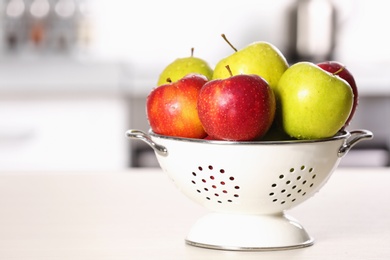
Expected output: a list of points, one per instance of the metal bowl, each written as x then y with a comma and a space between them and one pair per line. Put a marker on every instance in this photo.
249, 185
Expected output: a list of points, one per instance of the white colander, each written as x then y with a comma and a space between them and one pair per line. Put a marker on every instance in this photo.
247, 186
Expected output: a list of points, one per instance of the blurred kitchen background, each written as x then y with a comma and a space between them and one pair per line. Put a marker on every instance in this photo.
74, 74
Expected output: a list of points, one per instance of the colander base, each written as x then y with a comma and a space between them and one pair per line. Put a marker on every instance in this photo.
248, 232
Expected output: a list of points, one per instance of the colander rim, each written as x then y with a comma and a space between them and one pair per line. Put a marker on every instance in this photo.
343, 134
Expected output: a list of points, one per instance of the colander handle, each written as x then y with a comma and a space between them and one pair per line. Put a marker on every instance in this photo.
356, 136
138, 134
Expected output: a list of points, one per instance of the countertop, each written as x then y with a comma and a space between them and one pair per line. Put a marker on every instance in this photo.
140, 214
60, 75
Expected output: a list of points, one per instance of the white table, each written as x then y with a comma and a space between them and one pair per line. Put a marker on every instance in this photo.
139, 214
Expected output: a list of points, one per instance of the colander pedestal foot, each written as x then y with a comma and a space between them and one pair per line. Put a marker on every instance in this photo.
248, 232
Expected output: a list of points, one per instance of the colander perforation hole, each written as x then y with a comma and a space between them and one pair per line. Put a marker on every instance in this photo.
292, 184
215, 184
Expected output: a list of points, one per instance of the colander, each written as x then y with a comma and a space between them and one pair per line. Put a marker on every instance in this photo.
248, 186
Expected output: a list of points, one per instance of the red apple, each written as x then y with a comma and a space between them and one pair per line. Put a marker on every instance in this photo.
172, 108
339, 69
238, 108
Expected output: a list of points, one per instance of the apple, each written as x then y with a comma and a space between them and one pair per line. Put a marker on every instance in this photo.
312, 103
339, 69
238, 108
172, 108
183, 66
260, 58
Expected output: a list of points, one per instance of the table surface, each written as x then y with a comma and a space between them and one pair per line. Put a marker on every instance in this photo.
140, 214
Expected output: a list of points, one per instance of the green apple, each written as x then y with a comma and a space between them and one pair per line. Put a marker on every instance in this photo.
312, 103
260, 58
183, 66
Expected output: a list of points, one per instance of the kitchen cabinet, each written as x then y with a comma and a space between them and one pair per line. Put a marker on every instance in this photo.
63, 133
372, 113
70, 120
64, 114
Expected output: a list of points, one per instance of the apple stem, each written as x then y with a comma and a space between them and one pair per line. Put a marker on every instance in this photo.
192, 52
230, 71
339, 70
231, 45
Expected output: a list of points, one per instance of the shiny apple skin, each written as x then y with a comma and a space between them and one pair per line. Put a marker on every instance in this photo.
238, 108
172, 108
333, 67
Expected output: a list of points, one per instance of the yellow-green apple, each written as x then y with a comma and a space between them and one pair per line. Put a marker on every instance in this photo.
312, 103
180, 67
172, 108
260, 58
238, 108
339, 69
